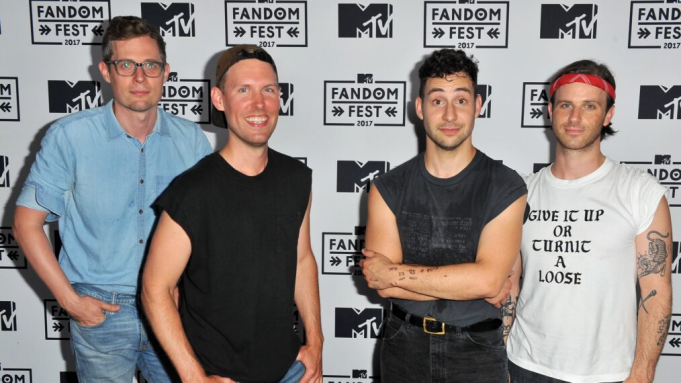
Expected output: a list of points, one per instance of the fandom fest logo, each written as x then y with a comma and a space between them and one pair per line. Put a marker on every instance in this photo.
8, 316
672, 345
659, 102
341, 252
466, 24
365, 20
364, 102
667, 172
70, 97
174, 19
15, 375
11, 256
535, 105
358, 323
69, 22
286, 99
356, 177
577, 21
187, 98
9, 99
266, 23
57, 324
655, 24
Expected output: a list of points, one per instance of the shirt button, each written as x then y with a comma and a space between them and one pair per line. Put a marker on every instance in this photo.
142, 181
141, 241
142, 150
141, 211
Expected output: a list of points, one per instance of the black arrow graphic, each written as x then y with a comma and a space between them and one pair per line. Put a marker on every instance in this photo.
98, 30
493, 33
13, 255
197, 109
337, 111
56, 326
675, 342
536, 113
293, 31
392, 111
335, 261
44, 30
643, 33
6, 107
438, 32
238, 31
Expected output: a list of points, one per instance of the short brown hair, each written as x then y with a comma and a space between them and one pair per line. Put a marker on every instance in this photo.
128, 27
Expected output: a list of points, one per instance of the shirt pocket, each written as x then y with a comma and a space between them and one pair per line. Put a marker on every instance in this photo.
162, 183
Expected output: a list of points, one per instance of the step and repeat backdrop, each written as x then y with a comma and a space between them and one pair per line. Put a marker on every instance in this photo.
348, 73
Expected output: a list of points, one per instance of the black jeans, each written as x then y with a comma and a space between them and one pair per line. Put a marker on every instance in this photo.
521, 375
408, 354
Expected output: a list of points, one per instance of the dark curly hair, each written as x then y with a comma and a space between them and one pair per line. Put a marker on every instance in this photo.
128, 27
444, 62
595, 69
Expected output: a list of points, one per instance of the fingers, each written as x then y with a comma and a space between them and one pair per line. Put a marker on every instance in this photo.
109, 307
368, 253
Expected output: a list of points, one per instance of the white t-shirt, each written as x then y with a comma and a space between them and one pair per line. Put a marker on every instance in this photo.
576, 314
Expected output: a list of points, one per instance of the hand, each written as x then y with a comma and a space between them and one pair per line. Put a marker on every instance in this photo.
498, 300
88, 311
375, 269
217, 379
311, 357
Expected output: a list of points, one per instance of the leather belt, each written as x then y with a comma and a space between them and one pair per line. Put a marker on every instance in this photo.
432, 326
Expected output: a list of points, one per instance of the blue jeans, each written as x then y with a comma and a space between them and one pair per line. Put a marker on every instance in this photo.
408, 354
294, 373
110, 351
521, 375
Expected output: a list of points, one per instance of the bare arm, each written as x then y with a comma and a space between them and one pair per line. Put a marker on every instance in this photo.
307, 300
168, 257
28, 229
383, 236
653, 248
497, 249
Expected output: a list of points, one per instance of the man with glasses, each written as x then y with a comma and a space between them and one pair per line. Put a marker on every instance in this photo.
98, 172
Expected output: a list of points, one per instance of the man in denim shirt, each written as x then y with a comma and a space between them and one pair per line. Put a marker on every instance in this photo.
98, 172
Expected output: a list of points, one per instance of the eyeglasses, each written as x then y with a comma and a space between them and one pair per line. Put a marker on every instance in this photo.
129, 67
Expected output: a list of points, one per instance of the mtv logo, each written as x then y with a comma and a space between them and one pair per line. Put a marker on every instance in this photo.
8, 316
659, 102
485, 92
172, 76
4, 172
663, 159
365, 78
358, 323
68, 377
577, 21
355, 176
359, 374
176, 19
676, 268
538, 167
69, 97
286, 99
370, 20
265, 1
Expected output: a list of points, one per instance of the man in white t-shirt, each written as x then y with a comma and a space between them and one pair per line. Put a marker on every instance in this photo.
595, 228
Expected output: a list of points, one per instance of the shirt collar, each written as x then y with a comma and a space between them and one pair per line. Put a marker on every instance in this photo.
114, 128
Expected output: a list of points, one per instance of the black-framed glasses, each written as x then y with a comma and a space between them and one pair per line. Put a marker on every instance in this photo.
129, 67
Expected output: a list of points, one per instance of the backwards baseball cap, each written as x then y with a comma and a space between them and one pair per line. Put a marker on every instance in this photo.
230, 57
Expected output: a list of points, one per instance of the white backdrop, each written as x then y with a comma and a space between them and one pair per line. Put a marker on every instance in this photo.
348, 73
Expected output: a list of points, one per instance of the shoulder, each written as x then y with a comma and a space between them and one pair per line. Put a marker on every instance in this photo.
500, 173
82, 119
398, 175
287, 162
634, 179
178, 124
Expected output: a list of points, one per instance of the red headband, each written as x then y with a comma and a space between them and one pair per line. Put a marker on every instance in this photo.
583, 78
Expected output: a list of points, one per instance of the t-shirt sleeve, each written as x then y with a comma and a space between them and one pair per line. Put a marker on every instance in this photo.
645, 199
51, 176
509, 187
387, 190
176, 200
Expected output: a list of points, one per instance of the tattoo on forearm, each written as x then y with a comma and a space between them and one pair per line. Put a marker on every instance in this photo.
643, 301
507, 312
662, 328
654, 261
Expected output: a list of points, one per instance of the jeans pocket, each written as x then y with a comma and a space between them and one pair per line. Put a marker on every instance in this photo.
100, 324
392, 328
491, 340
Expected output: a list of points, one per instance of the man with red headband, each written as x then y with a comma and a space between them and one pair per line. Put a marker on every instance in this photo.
595, 229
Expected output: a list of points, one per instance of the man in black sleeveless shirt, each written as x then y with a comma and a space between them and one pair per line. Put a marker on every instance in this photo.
236, 229
443, 232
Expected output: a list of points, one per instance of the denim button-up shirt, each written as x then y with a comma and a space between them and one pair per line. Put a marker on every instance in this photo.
101, 183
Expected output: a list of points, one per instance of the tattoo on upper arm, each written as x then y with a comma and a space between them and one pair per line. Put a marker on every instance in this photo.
662, 328
643, 301
654, 261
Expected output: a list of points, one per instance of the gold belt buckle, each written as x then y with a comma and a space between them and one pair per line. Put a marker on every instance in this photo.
425, 329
